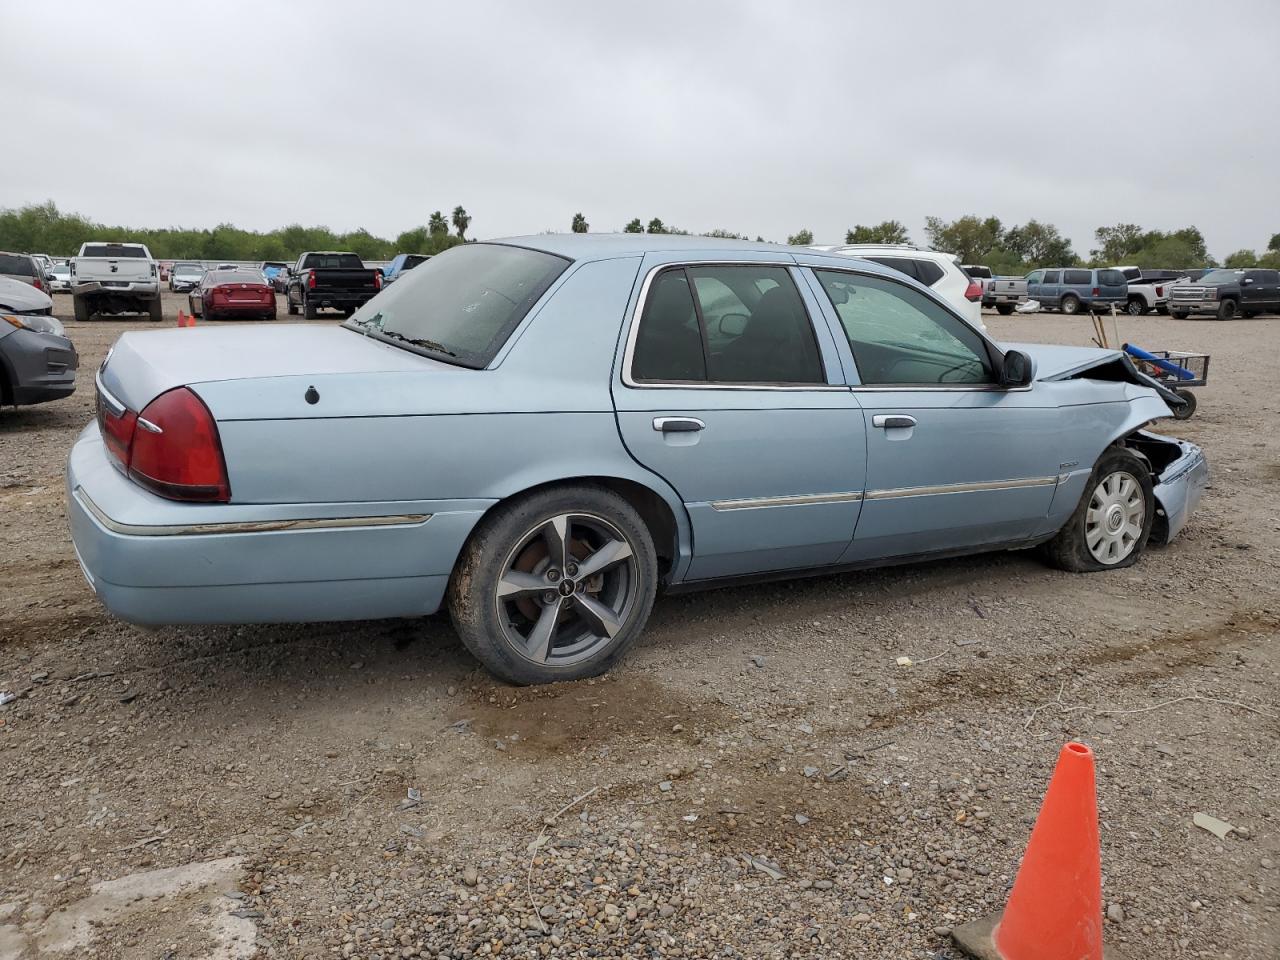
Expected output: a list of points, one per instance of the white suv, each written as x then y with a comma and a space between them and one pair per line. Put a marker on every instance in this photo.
941, 271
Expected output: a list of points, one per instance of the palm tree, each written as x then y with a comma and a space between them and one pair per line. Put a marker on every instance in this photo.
460, 222
437, 224
580, 224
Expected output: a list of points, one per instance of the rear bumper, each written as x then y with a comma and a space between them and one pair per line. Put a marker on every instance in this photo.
142, 289
39, 366
339, 298
154, 561
254, 309
1180, 486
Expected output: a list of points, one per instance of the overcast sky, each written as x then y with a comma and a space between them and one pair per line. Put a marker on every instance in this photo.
758, 117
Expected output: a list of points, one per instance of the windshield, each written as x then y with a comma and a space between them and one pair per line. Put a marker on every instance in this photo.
1222, 276
113, 250
188, 268
463, 304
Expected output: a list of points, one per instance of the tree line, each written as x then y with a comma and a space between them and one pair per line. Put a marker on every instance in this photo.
43, 228
1011, 250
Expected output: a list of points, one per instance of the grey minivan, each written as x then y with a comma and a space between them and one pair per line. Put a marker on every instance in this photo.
1072, 289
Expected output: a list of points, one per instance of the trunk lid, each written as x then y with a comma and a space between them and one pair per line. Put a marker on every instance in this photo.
144, 364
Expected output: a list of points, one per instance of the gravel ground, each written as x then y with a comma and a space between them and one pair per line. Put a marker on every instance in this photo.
759, 779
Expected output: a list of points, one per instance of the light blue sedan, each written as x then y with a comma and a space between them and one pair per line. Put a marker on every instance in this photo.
542, 433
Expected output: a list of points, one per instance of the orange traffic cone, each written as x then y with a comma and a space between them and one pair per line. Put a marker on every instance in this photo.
186, 321
1055, 909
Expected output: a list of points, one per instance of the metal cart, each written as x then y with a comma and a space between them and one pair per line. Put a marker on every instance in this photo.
1175, 370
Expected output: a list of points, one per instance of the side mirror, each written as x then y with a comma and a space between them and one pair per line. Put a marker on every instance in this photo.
1248, 279
1018, 369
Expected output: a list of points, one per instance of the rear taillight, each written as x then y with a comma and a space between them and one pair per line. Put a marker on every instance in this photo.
973, 291
377, 280
176, 451
311, 279
1097, 292
1159, 291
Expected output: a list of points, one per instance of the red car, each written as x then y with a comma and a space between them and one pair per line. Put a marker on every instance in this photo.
235, 293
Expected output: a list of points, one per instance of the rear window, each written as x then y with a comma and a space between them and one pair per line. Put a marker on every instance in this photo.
412, 261
16, 265
463, 304
1078, 276
1111, 278
977, 273
1133, 273
236, 276
113, 250
332, 261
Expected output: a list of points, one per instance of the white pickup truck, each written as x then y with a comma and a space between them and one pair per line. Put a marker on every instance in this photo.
1148, 289
115, 278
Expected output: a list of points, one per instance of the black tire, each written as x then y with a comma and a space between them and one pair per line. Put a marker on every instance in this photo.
509, 541
191, 306
1179, 314
1227, 310
1070, 305
1162, 310
81, 307
155, 310
1248, 314
1136, 308
1069, 549
1004, 309
273, 315
1185, 411
289, 306
309, 310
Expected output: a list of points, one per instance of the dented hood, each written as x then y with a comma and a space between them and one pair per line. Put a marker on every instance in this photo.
1056, 362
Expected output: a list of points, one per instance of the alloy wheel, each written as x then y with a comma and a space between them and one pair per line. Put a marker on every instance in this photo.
1115, 518
567, 588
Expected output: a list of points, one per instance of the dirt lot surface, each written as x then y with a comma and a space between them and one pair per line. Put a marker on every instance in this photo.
761, 778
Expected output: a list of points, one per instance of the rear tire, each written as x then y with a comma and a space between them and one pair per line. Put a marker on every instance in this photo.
1110, 527
542, 627
155, 310
1227, 310
1179, 314
309, 310
1004, 309
1185, 411
81, 308
1070, 305
1136, 308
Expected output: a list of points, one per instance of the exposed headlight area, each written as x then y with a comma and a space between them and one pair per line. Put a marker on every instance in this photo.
37, 323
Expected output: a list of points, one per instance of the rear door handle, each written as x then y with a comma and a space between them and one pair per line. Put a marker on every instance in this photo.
678, 424
888, 421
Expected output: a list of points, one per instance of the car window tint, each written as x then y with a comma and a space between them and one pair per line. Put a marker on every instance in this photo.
16, 265
669, 343
757, 329
929, 272
1051, 276
1076, 276
113, 251
1112, 278
899, 336
1035, 276
901, 264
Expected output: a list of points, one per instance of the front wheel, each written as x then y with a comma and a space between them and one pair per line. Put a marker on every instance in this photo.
1004, 309
1070, 305
1227, 310
1110, 526
555, 586
1179, 314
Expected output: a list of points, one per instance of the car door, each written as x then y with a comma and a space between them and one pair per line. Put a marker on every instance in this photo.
1051, 288
1260, 290
954, 460
731, 392
1035, 285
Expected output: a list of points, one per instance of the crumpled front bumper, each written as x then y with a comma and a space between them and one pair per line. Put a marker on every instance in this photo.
1180, 486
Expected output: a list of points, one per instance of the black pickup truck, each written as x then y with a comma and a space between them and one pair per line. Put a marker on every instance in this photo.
1227, 293
339, 281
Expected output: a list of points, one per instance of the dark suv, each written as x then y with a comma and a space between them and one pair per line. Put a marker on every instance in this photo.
1226, 293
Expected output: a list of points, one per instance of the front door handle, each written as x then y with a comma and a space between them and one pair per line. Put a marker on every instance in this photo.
888, 421
678, 424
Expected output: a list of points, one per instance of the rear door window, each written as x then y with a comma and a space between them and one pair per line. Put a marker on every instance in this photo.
901, 264
1077, 277
739, 324
928, 272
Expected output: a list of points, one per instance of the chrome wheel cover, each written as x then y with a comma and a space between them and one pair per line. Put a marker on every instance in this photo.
1116, 516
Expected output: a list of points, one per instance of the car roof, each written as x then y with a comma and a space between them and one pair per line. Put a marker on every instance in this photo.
607, 246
